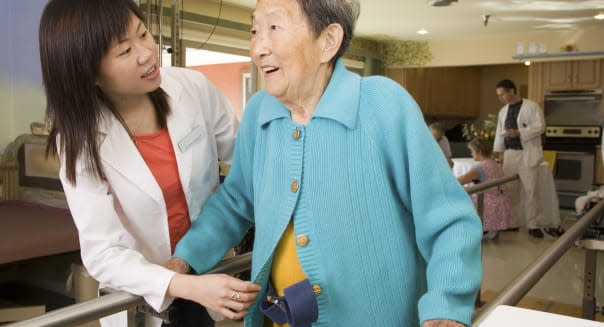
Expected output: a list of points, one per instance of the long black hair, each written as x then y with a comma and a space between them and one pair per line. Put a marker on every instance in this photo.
74, 36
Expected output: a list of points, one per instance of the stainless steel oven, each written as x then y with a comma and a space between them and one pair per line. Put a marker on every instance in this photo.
573, 108
574, 171
573, 130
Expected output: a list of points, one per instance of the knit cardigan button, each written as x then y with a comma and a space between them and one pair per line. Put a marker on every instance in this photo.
302, 240
316, 289
294, 186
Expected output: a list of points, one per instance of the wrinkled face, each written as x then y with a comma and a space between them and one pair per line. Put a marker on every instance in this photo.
284, 48
129, 68
437, 134
504, 95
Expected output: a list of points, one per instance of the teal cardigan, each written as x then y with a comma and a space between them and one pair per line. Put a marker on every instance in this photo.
393, 238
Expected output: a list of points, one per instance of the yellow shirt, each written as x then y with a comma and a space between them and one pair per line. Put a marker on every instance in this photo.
286, 268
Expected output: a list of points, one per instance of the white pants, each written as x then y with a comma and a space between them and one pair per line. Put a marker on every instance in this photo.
523, 195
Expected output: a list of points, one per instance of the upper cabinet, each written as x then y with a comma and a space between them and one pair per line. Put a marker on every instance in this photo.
579, 74
414, 81
442, 91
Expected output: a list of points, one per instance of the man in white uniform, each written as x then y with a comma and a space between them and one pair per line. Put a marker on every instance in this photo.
520, 124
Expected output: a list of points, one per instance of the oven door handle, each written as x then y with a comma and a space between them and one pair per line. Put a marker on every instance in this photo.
584, 98
573, 153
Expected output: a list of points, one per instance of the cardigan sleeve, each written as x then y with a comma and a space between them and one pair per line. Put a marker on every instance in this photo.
228, 213
448, 231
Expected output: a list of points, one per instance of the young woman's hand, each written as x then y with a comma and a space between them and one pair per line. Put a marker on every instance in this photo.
220, 293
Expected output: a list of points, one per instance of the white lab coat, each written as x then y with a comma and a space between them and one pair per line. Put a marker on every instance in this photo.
123, 224
531, 125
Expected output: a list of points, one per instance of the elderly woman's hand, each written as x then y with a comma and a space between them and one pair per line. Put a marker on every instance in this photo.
221, 293
442, 323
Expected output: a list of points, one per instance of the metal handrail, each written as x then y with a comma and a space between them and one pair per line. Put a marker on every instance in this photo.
515, 290
492, 183
119, 301
116, 302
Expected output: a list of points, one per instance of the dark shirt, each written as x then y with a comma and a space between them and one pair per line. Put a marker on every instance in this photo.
511, 122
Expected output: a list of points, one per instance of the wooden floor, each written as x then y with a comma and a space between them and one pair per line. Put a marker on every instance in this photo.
545, 306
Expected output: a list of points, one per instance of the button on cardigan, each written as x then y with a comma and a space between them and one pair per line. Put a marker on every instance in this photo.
395, 238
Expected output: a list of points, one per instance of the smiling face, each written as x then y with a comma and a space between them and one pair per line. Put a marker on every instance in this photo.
289, 55
129, 68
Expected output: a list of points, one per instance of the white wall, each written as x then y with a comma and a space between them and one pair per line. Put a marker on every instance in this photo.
22, 99
464, 52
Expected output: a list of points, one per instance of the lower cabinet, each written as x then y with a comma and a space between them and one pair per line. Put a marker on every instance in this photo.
599, 167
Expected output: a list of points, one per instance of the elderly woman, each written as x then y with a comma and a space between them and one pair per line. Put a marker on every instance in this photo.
497, 213
358, 218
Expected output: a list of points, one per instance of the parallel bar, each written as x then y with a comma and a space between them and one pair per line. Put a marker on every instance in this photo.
191, 17
176, 37
119, 301
116, 302
515, 290
589, 285
486, 185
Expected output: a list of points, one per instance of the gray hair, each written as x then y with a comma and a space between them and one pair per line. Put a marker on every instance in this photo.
437, 127
322, 13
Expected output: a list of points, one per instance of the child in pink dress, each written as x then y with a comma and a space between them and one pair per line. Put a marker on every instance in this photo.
497, 212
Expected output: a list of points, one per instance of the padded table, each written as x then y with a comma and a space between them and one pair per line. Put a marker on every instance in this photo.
30, 230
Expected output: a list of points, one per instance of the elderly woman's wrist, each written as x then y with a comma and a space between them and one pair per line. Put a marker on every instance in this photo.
178, 265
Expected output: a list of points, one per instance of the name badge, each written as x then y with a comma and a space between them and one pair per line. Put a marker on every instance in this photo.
190, 138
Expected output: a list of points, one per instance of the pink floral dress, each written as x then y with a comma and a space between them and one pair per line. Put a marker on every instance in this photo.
497, 212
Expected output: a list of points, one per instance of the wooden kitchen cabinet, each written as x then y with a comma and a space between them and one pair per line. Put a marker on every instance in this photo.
577, 74
536, 90
442, 91
455, 91
414, 81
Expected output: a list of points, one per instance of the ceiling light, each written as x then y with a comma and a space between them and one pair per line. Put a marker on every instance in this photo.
422, 31
599, 16
527, 63
440, 3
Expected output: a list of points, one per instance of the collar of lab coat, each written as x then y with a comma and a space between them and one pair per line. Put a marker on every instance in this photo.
117, 150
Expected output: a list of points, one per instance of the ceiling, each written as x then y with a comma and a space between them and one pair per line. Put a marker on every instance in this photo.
465, 19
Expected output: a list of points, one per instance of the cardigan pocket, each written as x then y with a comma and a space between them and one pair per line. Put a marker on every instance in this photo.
298, 307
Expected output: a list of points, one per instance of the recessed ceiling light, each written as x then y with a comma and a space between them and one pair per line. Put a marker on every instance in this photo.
422, 31
440, 3
527, 63
599, 16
